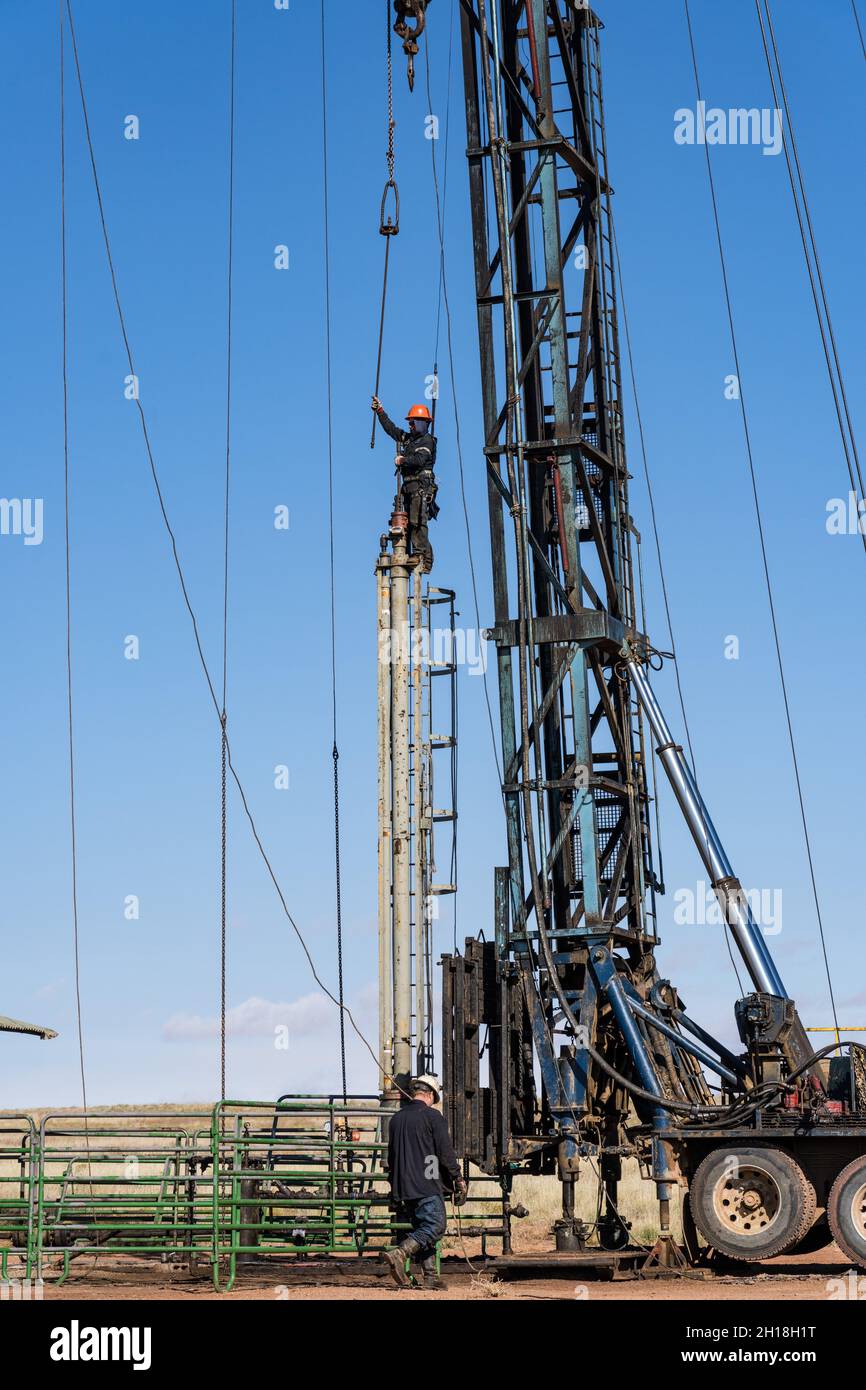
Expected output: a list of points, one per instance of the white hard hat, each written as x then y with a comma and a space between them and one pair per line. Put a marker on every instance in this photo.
431, 1082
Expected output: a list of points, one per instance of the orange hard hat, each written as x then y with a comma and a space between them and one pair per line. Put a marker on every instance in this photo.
419, 412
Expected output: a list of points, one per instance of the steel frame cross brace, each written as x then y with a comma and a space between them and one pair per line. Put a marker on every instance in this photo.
575, 793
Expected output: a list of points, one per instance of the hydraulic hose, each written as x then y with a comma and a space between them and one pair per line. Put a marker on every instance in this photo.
730, 1113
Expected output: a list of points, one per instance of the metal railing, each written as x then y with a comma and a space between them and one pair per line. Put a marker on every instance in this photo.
246, 1183
130, 1181
18, 1165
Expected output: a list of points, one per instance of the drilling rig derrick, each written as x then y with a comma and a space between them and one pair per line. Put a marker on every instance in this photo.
588, 1052
575, 904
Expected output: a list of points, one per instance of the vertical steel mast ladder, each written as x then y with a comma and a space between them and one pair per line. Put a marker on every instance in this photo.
415, 655
435, 656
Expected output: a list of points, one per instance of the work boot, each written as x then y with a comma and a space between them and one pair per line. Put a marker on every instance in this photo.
429, 1277
395, 1258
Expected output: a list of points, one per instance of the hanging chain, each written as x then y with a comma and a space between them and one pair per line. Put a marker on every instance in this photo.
388, 226
326, 224
228, 442
389, 64
336, 757
223, 934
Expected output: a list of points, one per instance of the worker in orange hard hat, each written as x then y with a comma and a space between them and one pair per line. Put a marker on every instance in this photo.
416, 460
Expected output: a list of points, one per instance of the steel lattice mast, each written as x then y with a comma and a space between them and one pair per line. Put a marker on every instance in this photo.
571, 979
553, 425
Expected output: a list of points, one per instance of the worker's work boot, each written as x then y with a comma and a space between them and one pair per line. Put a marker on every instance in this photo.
395, 1258
429, 1277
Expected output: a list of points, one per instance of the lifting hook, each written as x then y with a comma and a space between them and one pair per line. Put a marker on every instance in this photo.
387, 226
410, 9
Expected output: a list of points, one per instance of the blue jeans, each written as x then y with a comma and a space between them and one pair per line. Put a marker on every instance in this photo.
428, 1221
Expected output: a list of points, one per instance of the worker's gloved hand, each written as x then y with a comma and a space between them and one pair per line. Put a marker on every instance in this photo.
460, 1193
376, 404
398, 461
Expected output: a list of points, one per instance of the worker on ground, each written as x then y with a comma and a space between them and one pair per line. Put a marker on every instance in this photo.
416, 460
421, 1163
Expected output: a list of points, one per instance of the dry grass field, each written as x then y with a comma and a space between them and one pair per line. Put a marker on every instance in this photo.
541, 1196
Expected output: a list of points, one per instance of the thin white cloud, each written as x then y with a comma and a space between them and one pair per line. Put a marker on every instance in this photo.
255, 1018
48, 991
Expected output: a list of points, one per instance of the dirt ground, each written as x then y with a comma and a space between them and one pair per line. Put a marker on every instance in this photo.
790, 1279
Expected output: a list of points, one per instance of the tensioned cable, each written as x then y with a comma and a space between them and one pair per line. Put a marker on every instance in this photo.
760, 524
335, 754
440, 294
177, 562
513, 450
458, 437
657, 542
390, 227
859, 26
807, 236
68, 539
433, 141
223, 714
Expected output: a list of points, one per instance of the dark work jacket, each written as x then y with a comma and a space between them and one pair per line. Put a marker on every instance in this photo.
418, 450
420, 1153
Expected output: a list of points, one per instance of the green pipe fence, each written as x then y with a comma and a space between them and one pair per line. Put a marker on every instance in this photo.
246, 1183
18, 1167
132, 1181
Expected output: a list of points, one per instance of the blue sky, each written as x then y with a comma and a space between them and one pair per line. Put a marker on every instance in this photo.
147, 741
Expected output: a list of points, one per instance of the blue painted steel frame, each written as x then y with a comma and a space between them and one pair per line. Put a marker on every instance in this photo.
591, 827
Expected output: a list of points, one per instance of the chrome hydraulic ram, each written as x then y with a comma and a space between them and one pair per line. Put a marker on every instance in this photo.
732, 900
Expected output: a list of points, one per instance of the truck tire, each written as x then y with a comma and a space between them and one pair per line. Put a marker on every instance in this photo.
846, 1211
691, 1244
751, 1203
818, 1238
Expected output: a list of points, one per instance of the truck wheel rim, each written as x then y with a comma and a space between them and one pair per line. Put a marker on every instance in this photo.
858, 1211
748, 1202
